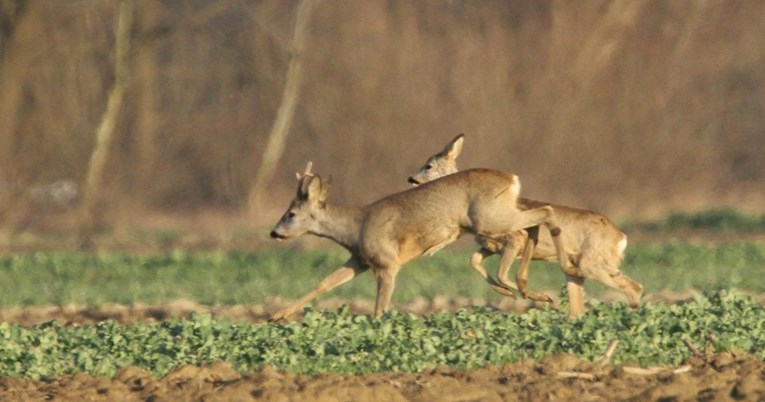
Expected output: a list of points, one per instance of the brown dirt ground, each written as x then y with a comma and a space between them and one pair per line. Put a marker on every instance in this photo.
724, 376
713, 378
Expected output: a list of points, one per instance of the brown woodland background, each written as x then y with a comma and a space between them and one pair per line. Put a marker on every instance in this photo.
633, 108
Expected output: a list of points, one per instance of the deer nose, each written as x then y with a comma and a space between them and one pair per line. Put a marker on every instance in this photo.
412, 180
274, 234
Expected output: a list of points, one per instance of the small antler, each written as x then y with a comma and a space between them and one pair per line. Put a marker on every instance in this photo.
307, 171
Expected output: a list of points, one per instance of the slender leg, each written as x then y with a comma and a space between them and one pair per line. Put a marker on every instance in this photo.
510, 249
555, 233
629, 287
386, 282
575, 287
505, 224
604, 268
504, 289
340, 276
522, 275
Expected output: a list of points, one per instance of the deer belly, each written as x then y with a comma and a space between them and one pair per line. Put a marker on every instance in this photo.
413, 245
437, 240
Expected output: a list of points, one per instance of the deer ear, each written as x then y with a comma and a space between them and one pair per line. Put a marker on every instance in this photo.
454, 148
325, 186
314, 188
303, 187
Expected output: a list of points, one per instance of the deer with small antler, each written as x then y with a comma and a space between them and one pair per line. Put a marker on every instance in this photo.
592, 243
386, 234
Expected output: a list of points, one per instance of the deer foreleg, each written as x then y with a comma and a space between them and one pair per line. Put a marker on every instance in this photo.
340, 276
575, 287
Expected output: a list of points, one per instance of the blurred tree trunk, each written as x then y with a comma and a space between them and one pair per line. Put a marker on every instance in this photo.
147, 119
13, 62
284, 115
105, 130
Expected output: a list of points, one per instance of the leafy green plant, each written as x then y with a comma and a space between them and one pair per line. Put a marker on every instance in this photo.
339, 342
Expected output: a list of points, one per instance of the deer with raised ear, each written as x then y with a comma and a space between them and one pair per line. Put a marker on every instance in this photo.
593, 244
386, 234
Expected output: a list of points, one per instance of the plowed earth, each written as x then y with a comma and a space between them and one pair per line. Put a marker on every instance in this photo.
710, 378
714, 378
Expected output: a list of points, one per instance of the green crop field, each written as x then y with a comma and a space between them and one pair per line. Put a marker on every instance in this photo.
338, 342
723, 318
252, 277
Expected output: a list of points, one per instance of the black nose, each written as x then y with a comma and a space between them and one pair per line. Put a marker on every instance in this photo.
412, 180
274, 234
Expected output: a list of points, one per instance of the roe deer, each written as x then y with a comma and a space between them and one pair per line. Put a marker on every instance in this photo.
593, 243
386, 234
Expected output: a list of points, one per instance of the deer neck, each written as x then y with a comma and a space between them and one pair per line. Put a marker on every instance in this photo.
341, 224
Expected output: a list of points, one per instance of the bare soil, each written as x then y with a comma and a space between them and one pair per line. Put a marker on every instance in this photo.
563, 377
723, 376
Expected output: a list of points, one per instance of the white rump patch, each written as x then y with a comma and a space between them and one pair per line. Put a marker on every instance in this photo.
516, 186
622, 245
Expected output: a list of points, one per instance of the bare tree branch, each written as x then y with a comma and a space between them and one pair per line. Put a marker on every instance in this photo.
284, 116
105, 130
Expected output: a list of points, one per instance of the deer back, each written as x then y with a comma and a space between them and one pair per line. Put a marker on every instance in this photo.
425, 218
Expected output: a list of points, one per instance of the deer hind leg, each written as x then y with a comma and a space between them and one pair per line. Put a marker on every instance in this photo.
510, 248
521, 277
340, 276
516, 220
386, 282
563, 257
604, 267
632, 289
505, 289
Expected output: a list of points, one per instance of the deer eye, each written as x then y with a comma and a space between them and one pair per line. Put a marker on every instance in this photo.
290, 214
428, 166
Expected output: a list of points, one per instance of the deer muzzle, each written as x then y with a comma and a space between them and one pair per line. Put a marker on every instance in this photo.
277, 236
